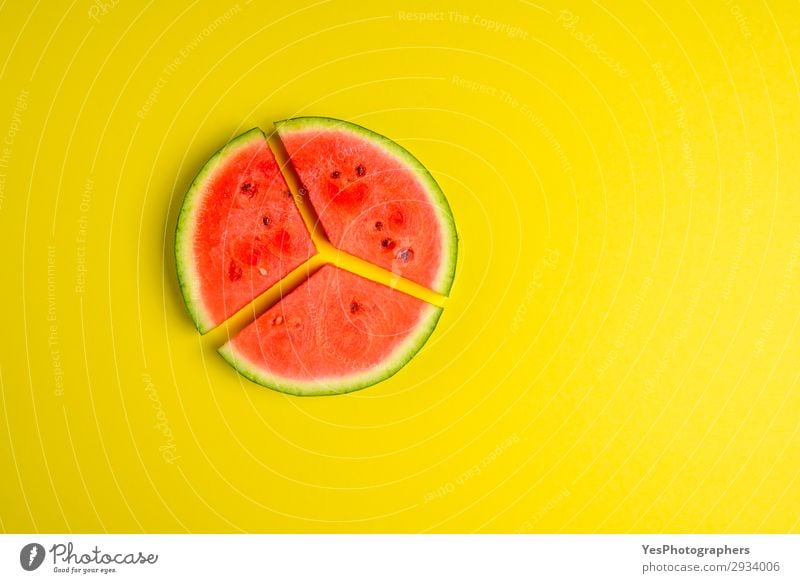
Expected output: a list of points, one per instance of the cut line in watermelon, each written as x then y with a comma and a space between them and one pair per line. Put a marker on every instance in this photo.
374, 199
239, 234
349, 322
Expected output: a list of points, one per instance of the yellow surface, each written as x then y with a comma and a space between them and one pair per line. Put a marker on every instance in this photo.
620, 349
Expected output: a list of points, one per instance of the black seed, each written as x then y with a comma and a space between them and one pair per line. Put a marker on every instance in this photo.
354, 307
378, 225
387, 244
360, 170
335, 174
265, 220
248, 189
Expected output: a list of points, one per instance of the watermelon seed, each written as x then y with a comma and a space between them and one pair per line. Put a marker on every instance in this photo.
405, 255
335, 174
302, 191
265, 220
262, 271
287, 193
354, 307
248, 189
387, 244
234, 271
360, 170
277, 320
378, 225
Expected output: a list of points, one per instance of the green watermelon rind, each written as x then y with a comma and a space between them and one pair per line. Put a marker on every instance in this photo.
444, 213
347, 384
187, 220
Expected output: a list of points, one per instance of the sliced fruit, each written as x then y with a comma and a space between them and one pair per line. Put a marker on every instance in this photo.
335, 333
374, 200
239, 231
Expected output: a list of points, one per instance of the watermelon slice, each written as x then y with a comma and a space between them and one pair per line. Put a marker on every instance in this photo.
337, 332
374, 199
239, 231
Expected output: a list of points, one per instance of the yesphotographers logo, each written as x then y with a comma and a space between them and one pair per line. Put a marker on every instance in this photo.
31, 556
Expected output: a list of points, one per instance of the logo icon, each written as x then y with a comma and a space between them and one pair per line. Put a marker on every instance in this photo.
31, 556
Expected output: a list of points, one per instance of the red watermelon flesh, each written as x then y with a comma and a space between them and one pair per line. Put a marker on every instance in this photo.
239, 231
337, 332
374, 200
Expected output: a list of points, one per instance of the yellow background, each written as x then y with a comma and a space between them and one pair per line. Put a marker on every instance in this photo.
619, 353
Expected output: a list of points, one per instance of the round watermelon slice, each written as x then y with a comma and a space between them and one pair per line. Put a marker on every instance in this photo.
239, 231
335, 333
374, 199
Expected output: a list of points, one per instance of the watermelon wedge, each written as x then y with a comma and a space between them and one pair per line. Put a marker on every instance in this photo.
336, 333
239, 231
374, 199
